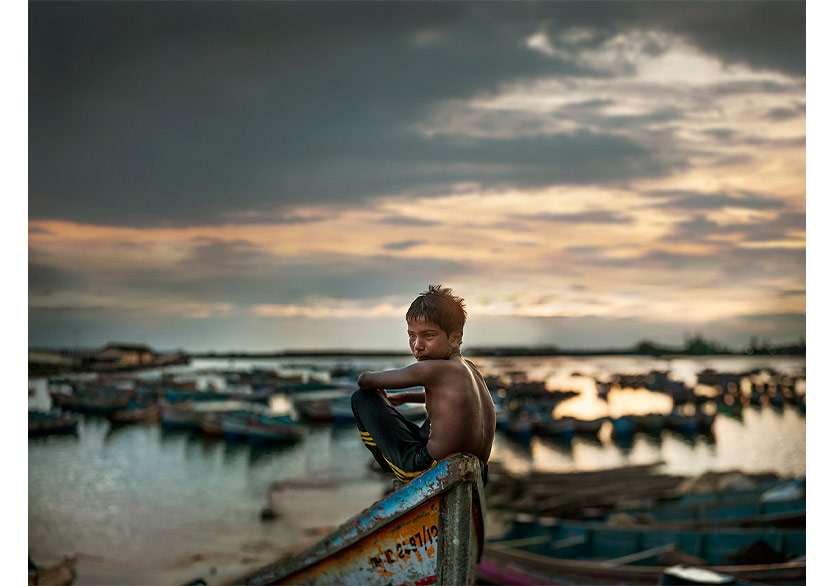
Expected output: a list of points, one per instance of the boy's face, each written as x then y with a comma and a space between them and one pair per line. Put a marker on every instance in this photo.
429, 342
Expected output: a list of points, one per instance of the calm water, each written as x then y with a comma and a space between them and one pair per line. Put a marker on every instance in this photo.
141, 505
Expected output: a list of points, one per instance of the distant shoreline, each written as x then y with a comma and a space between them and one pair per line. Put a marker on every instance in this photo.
482, 352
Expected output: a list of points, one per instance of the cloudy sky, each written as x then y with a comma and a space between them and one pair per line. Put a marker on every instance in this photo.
268, 176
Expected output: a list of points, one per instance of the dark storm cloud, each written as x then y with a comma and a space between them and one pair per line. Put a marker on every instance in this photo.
182, 113
763, 35
221, 272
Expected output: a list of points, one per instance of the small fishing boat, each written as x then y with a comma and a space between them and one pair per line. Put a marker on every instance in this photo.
520, 426
430, 531
274, 428
683, 424
651, 423
560, 429
52, 423
180, 414
623, 426
134, 413
587, 426
191, 414
556, 551
235, 425
743, 511
325, 406
210, 422
603, 389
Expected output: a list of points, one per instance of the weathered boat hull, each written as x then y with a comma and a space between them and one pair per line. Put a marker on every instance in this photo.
555, 551
134, 415
514, 566
430, 531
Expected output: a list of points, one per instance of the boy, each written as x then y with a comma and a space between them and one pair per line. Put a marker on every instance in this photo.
460, 408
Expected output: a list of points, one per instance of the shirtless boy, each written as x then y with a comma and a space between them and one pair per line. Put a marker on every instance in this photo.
461, 411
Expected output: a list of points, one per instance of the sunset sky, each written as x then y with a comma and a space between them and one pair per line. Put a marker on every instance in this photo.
272, 176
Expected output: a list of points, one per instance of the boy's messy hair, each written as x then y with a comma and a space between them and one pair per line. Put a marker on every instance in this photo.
441, 307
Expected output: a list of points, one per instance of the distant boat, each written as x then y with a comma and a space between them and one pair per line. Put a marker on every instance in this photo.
684, 424
623, 426
52, 423
651, 423
520, 426
587, 426
603, 389
93, 399
190, 414
560, 429
332, 405
234, 425
279, 428
134, 414
179, 415
429, 532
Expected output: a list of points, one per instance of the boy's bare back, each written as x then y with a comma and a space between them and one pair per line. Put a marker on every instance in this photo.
461, 410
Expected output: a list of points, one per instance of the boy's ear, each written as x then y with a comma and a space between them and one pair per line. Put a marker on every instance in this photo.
455, 338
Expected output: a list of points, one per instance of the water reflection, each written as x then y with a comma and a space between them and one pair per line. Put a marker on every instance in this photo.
109, 489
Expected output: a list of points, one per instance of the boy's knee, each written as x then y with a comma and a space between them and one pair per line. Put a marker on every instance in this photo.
361, 398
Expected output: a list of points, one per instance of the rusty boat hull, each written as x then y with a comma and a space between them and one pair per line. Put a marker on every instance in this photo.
430, 531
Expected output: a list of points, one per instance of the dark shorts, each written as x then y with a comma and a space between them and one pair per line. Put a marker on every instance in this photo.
397, 444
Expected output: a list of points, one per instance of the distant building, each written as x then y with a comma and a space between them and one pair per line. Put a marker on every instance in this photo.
126, 354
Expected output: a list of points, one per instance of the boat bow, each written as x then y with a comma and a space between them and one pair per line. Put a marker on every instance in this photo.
430, 531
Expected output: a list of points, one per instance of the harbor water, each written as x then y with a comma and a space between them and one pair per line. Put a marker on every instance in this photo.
140, 504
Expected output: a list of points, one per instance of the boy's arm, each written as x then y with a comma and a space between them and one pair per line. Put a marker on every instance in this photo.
419, 374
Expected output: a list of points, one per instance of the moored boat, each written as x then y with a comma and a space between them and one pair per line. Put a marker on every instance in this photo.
623, 426
559, 429
52, 423
179, 415
274, 428
430, 531
134, 414
332, 405
651, 423
588, 426
549, 551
